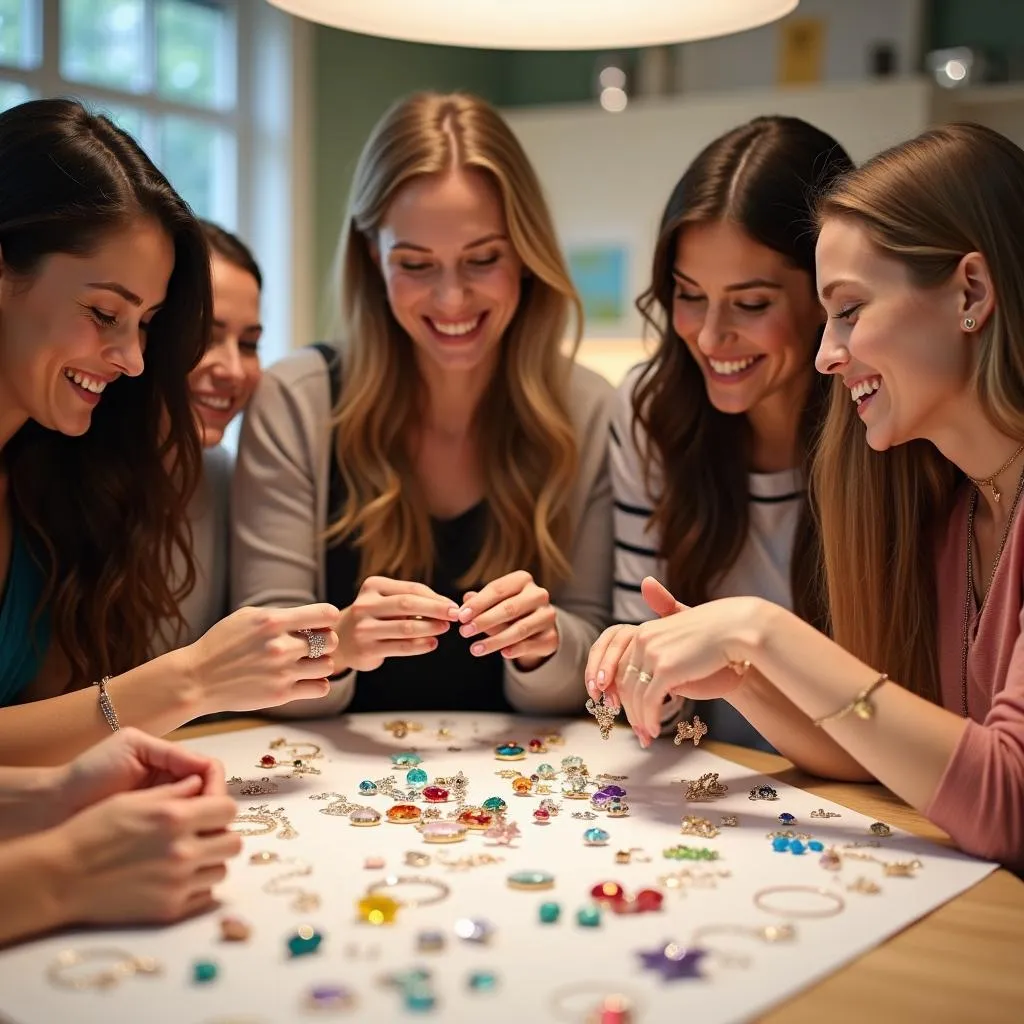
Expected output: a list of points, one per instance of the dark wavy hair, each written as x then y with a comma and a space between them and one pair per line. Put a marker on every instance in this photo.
231, 248
764, 177
105, 513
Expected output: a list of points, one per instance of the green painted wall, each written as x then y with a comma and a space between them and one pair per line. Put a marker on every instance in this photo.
996, 24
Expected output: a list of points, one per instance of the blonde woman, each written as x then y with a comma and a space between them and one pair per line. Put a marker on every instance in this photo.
458, 507
918, 485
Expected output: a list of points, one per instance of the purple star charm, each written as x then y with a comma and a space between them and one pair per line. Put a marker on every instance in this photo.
673, 961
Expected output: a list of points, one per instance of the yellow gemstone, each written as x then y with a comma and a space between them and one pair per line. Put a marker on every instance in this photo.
377, 909
522, 785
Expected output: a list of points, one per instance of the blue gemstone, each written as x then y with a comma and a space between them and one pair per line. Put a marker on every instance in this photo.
595, 837
304, 941
419, 997
416, 777
510, 750
816, 846
483, 981
787, 819
368, 787
780, 844
796, 846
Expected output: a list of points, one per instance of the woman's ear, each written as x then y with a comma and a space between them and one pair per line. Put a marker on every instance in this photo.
977, 292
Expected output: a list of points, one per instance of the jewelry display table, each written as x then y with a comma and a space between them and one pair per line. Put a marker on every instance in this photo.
732, 959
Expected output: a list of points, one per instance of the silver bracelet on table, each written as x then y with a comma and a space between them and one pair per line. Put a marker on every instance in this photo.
107, 705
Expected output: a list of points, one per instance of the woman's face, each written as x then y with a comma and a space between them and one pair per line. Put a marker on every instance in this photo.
749, 318
223, 382
452, 277
898, 347
77, 324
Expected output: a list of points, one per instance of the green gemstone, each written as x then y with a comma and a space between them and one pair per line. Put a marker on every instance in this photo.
203, 971
494, 804
531, 880
588, 917
483, 981
549, 913
305, 940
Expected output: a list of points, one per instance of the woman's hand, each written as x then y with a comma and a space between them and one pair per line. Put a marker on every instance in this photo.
516, 617
612, 644
150, 855
698, 653
392, 619
259, 658
129, 760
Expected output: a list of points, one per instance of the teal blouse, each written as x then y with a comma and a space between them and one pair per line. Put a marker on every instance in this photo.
23, 642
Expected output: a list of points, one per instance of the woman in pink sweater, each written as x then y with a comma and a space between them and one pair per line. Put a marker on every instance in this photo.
918, 482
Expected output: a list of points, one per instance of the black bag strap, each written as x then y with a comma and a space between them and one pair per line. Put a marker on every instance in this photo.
333, 361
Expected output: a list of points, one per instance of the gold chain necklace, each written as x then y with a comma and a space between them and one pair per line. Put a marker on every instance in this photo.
990, 481
970, 578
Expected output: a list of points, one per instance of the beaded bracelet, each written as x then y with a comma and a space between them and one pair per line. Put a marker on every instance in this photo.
107, 705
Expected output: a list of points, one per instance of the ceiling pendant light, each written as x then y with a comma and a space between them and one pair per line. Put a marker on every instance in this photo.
542, 24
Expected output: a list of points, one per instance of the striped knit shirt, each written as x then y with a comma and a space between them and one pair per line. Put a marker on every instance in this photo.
761, 570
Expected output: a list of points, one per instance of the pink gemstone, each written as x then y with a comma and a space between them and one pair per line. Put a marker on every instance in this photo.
541, 816
435, 795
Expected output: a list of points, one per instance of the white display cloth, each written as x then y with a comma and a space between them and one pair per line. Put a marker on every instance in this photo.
259, 982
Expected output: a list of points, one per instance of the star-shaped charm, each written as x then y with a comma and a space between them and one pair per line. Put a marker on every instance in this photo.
673, 961
503, 832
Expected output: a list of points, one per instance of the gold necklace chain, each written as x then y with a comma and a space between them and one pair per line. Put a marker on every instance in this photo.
970, 579
990, 481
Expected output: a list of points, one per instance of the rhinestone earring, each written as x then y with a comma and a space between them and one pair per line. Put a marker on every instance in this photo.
970, 323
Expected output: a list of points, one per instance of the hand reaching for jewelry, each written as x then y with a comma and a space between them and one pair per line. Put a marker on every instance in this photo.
259, 658
516, 618
131, 760
392, 619
150, 855
613, 643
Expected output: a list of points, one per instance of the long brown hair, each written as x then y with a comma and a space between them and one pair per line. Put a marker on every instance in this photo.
927, 203
529, 453
105, 513
764, 177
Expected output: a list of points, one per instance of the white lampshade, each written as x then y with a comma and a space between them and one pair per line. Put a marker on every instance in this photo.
542, 24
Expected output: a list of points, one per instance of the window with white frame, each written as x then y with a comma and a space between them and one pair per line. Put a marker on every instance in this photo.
166, 71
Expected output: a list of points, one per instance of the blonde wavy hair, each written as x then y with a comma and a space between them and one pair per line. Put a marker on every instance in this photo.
528, 449
927, 203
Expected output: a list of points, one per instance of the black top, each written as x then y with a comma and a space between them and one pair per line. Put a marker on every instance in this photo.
449, 678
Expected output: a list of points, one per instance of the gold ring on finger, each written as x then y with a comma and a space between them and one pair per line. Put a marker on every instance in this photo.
643, 678
631, 668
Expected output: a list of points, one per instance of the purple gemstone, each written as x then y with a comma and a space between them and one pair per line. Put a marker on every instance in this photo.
612, 791
331, 995
599, 799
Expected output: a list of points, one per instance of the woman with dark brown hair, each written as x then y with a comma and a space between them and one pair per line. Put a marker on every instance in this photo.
710, 439
100, 263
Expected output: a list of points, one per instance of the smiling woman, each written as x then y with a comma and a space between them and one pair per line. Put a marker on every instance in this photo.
459, 507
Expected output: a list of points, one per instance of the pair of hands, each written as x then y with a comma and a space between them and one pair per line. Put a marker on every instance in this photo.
256, 658
145, 832
685, 652
395, 618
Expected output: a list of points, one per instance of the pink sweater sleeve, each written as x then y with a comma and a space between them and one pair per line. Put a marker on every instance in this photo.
980, 798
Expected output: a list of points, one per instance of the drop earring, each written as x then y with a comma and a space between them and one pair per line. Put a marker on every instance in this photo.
969, 323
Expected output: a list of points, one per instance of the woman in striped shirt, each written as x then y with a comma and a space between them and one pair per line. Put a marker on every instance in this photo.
710, 439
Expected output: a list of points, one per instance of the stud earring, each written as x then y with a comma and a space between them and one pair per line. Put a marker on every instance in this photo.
970, 323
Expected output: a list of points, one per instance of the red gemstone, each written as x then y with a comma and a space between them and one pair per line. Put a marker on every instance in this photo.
649, 899
542, 815
268, 760
537, 746
435, 795
608, 892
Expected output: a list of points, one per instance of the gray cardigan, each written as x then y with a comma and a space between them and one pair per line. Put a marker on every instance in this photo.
279, 517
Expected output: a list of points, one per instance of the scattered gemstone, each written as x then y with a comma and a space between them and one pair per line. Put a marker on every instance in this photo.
550, 806
537, 747
509, 752
617, 808
204, 971
364, 816
649, 900
542, 816
306, 940
522, 786
588, 916
816, 845
234, 929
787, 819
435, 795
377, 909
430, 942
612, 791
780, 844
406, 759
416, 777
368, 788
879, 828
607, 892
674, 962
443, 832
419, 998
374, 863
546, 772
475, 818
474, 929
571, 762
330, 997
595, 837
502, 832
549, 913
495, 805
482, 981
531, 880
795, 846
404, 814
268, 761
831, 861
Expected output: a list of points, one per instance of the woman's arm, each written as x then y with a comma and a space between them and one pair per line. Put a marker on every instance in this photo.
29, 800
33, 877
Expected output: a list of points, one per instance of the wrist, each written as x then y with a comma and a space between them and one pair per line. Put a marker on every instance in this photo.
182, 676
37, 802
60, 883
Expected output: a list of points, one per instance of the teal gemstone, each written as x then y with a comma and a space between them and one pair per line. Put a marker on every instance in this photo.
531, 880
549, 913
368, 788
419, 997
406, 760
416, 777
509, 750
203, 971
483, 981
495, 805
306, 940
546, 771
588, 917
595, 837
572, 761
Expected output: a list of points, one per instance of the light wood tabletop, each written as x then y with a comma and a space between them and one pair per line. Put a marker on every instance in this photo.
962, 963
